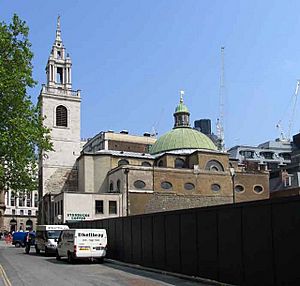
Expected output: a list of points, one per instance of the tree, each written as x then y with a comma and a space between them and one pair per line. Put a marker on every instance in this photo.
22, 134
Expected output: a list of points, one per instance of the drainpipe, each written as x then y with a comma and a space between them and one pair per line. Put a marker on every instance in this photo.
126, 171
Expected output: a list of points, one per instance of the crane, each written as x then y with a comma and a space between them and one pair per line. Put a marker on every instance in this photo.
219, 124
287, 136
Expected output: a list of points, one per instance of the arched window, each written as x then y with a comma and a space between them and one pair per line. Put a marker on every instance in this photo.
179, 163
118, 186
146, 164
61, 116
111, 186
123, 162
214, 165
29, 224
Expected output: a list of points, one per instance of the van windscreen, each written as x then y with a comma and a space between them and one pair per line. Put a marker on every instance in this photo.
53, 233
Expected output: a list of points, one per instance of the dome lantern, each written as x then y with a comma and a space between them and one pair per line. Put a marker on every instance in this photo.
181, 114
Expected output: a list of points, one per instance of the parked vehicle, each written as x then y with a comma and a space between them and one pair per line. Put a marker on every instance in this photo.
47, 236
18, 238
82, 244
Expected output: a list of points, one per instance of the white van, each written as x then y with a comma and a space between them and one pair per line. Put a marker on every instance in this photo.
47, 236
82, 244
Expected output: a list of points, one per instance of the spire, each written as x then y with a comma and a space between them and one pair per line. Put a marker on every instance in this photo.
182, 114
58, 32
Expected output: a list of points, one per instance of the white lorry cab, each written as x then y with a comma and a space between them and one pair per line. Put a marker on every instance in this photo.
47, 237
82, 244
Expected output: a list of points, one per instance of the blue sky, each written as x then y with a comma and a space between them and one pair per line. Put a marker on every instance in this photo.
131, 58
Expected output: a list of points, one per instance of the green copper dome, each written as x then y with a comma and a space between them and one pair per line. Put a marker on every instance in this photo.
182, 138
181, 107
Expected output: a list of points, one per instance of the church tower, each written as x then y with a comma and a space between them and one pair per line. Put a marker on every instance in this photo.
60, 106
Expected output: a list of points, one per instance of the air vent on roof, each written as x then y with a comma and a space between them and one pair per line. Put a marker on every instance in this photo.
124, 132
110, 131
147, 134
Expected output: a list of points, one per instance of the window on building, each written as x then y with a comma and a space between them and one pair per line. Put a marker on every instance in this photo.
239, 188
59, 75
189, 186
248, 154
21, 201
146, 164
59, 54
118, 186
61, 116
285, 156
13, 212
258, 189
112, 207
160, 163
29, 212
61, 207
35, 200
267, 155
21, 212
214, 165
111, 186
215, 187
179, 163
123, 162
99, 207
139, 184
28, 200
12, 200
166, 185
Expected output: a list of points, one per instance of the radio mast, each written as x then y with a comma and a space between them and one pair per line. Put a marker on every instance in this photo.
220, 120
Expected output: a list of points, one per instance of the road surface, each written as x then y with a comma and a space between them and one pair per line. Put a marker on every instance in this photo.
18, 268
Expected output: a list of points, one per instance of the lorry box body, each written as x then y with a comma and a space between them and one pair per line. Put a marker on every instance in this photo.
47, 236
82, 244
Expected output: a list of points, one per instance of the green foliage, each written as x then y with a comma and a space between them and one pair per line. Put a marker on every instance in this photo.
21, 132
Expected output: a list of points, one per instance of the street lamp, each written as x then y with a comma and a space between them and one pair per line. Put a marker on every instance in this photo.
232, 174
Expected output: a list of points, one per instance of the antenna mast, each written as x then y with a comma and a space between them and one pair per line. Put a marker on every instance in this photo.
220, 120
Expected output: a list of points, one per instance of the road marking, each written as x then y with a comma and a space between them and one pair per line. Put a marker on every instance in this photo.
4, 276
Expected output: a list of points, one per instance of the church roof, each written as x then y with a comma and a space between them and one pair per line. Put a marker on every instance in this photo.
182, 138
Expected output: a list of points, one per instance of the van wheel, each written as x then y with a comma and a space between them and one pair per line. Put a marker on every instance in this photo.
37, 251
70, 257
57, 256
17, 244
100, 260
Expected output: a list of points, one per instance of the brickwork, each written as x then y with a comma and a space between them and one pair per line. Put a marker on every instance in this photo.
127, 146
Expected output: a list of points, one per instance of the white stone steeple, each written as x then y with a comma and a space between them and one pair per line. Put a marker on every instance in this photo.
59, 64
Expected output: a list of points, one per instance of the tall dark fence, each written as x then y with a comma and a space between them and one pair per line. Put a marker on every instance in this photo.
256, 243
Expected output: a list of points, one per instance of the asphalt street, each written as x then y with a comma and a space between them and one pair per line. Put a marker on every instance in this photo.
31, 269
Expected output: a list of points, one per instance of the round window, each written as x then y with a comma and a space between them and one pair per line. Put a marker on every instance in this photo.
189, 186
139, 184
215, 187
166, 185
258, 189
239, 188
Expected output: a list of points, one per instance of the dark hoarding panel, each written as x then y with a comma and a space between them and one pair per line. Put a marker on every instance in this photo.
207, 244
188, 243
147, 240
257, 245
230, 246
172, 242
